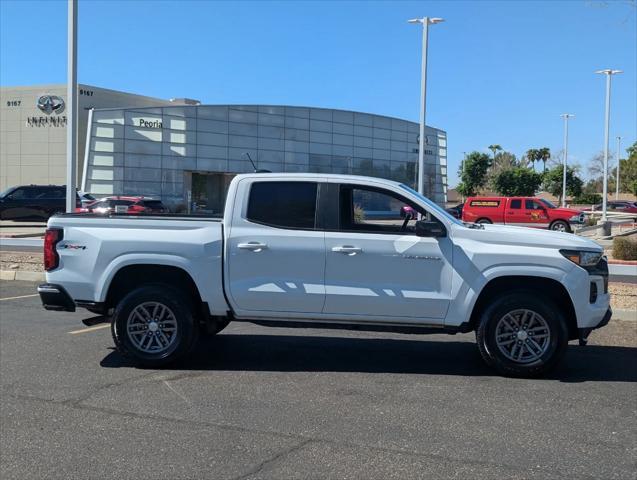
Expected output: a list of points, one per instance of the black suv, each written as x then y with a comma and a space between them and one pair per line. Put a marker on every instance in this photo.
33, 202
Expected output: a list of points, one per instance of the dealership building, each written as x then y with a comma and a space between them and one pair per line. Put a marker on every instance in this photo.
186, 153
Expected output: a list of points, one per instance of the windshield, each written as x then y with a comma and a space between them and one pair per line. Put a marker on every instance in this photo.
440, 212
547, 203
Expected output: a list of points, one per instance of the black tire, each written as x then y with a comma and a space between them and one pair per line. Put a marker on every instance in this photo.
182, 340
509, 302
560, 226
483, 221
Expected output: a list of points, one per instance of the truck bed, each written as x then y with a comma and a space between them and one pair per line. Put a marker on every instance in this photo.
96, 247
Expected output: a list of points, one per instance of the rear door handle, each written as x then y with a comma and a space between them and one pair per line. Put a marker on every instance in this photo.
347, 250
254, 246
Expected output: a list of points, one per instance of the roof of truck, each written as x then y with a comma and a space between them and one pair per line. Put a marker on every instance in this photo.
319, 176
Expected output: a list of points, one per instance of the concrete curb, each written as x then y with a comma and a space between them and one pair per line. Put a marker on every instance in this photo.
628, 315
22, 276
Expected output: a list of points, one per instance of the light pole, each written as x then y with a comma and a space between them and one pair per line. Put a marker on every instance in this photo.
608, 72
619, 142
425, 21
565, 116
71, 107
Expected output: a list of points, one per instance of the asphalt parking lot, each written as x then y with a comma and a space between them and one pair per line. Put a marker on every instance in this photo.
258, 402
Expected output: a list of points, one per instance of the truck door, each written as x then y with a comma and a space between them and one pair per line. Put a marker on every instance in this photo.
513, 212
536, 214
377, 266
275, 256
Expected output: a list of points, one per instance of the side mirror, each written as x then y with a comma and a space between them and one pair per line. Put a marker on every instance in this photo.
430, 229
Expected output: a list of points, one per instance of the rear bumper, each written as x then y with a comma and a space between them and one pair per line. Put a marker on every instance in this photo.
54, 297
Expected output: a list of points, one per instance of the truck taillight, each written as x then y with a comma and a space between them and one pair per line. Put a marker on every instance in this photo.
52, 237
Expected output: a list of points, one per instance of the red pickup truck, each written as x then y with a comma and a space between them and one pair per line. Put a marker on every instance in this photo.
520, 211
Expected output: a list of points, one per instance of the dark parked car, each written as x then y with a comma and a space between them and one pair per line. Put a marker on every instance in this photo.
124, 204
26, 202
456, 212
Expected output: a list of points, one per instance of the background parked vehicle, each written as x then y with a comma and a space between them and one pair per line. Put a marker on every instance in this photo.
33, 202
456, 212
619, 206
86, 198
520, 211
124, 204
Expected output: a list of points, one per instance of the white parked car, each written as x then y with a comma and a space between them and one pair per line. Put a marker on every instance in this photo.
334, 251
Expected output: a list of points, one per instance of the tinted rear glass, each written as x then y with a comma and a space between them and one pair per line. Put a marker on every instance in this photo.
517, 203
283, 204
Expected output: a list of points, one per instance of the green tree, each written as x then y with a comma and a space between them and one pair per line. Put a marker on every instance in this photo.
544, 154
494, 148
532, 155
628, 170
517, 181
553, 179
474, 175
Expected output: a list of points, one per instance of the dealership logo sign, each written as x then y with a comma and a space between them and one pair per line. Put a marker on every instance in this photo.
51, 104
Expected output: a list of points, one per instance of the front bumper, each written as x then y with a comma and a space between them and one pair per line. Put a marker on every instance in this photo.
54, 297
585, 332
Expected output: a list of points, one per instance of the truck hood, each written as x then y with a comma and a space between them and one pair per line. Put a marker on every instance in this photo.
532, 237
564, 212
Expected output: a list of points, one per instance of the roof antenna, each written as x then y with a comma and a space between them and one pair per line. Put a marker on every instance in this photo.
256, 170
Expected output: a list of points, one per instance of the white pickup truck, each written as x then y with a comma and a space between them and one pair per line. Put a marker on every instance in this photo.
333, 251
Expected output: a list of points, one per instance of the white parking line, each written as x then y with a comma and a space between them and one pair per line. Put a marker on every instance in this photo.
90, 329
21, 296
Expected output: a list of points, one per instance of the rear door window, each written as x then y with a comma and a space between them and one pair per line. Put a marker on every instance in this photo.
283, 204
516, 203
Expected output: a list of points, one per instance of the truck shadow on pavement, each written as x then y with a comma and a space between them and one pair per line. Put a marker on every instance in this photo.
299, 353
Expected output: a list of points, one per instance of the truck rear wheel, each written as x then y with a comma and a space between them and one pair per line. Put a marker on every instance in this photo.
154, 326
483, 221
522, 336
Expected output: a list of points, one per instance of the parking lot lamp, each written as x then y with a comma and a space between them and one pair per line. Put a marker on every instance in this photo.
619, 142
608, 72
425, 21
565, 116
71, 107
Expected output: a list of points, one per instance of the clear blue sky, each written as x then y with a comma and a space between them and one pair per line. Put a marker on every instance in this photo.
499, 72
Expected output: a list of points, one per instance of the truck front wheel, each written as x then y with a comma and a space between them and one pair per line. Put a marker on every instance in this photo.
522, 336
560, 226
154, 325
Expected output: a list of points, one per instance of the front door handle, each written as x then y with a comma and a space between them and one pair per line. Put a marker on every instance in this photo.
347, 250
254, 246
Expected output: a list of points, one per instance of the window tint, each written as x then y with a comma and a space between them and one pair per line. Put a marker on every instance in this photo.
114, 203
20, 194
532, 205
377, 211
517, 203
283, 204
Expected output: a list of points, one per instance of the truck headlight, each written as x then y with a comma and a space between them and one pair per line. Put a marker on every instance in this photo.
576, 219
582, 257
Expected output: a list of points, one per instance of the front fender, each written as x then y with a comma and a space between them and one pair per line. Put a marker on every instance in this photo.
468, 292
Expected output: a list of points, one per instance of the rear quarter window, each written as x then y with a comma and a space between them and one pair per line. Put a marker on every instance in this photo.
283, 204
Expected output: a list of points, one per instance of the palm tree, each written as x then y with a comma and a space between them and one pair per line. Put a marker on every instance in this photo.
544, 154
532, 156
494, 148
